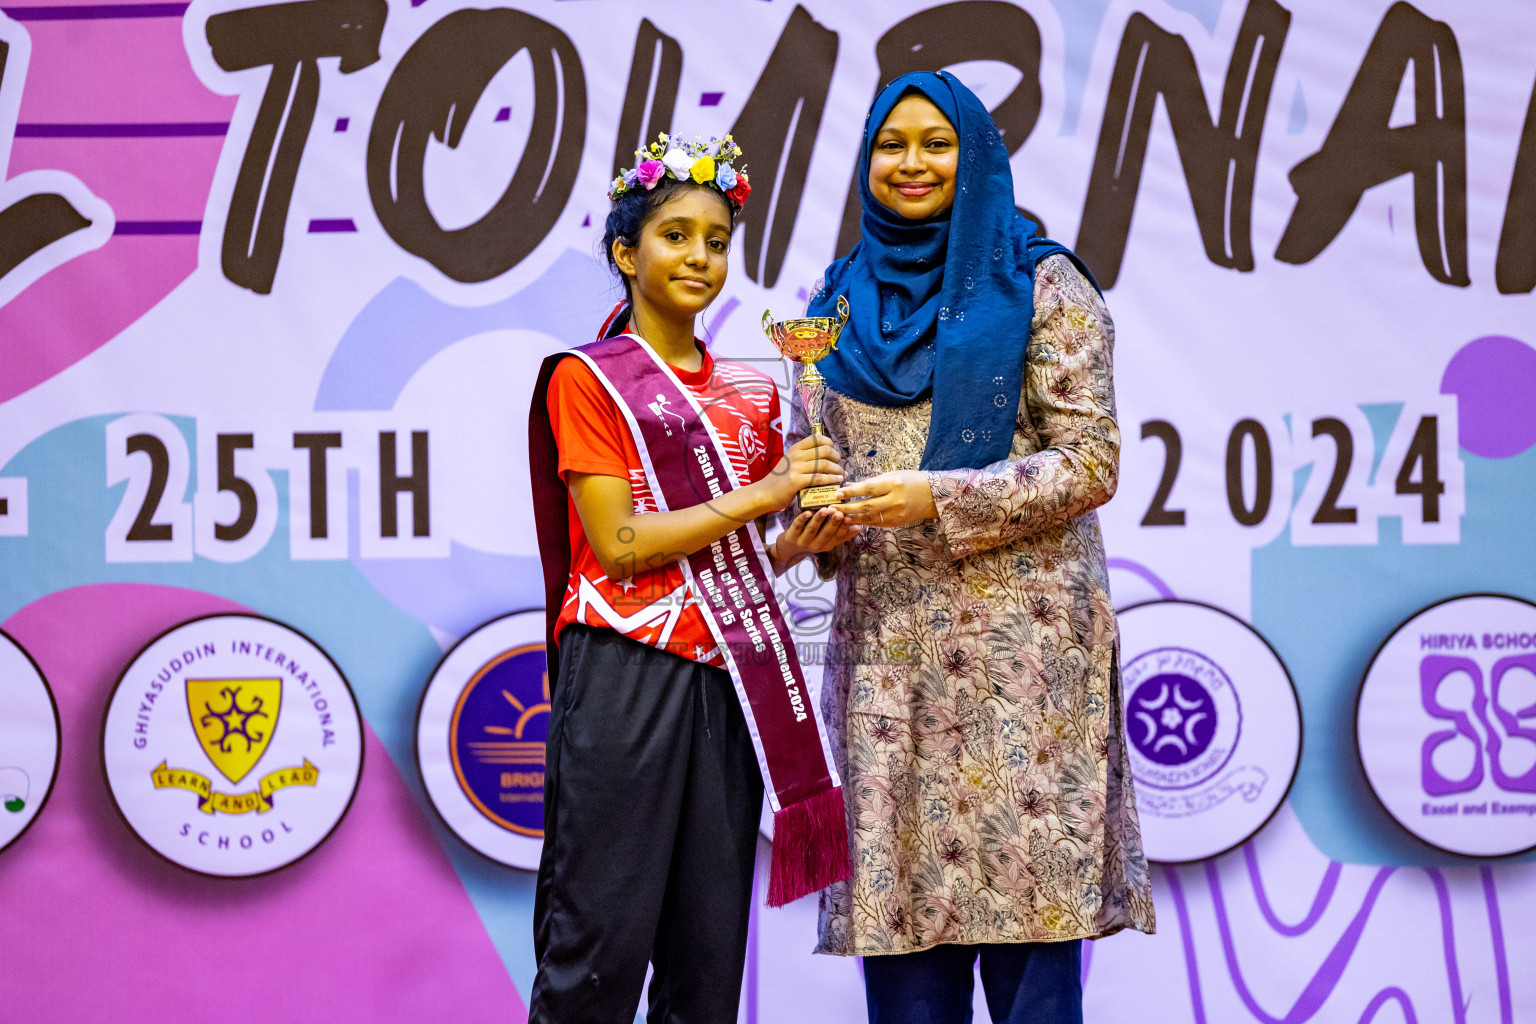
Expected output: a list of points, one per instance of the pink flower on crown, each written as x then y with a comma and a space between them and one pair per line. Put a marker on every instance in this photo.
649, 172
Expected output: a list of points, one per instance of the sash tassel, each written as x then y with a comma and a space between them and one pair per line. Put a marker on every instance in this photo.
810, 847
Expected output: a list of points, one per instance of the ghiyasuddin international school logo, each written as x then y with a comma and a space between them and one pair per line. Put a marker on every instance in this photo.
234, 720
1213, 724
29, 741
232, 745
1446, 725
480, 737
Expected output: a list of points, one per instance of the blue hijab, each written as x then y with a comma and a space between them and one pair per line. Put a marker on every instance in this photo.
941, 307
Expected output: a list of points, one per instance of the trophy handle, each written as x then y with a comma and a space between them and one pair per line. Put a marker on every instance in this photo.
842, 310
768, 322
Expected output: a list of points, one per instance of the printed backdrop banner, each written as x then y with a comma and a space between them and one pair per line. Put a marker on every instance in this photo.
275, 281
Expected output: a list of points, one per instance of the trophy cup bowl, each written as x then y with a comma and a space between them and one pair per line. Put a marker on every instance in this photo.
806, 340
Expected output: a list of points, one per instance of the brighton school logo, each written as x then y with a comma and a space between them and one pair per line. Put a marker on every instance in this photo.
480, 735
1446, 725
29, 741
232, 745
1214, 727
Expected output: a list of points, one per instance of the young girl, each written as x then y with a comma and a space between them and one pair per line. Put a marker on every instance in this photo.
677, 694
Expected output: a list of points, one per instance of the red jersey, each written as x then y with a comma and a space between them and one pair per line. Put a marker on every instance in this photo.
653, 606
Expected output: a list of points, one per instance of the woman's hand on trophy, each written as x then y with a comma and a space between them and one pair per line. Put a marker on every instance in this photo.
810, 462
809, 533
889, 501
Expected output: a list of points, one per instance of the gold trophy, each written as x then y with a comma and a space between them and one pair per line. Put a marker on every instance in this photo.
805, 340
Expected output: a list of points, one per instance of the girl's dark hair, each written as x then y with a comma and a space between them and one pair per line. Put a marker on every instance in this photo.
632, 210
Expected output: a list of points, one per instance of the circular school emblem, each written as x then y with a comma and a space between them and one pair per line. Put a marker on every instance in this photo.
480, 735
1182, 716
1213, 725
1446, 725
232, 745
29, 740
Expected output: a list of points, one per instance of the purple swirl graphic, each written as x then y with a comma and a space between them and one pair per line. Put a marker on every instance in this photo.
1496, 927
1319, 902
1382, 997
1325, 980
1164, 591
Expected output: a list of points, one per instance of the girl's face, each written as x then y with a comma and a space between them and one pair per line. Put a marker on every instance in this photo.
678, 265
913, 161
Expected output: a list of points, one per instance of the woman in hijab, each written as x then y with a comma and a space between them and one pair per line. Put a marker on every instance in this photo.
972, 691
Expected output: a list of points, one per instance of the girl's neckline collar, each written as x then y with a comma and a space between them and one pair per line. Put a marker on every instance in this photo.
700, 376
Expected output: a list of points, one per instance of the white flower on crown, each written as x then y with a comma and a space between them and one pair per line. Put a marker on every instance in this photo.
678, 162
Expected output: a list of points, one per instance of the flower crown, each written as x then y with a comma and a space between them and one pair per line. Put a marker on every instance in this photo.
705, 162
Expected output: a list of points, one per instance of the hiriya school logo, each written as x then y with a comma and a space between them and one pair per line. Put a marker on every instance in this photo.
480, 734
1213, 724
1446, 725
232, 745
29, 741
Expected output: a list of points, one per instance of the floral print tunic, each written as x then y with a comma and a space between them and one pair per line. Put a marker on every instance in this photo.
972, 690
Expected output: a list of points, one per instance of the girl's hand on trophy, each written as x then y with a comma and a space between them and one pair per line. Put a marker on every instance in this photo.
820, 530
889, 501
810, 462
811, 532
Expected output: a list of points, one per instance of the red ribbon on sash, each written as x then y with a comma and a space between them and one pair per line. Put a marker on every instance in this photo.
731, 580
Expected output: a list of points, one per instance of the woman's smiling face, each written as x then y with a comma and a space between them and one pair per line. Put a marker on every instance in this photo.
914, 158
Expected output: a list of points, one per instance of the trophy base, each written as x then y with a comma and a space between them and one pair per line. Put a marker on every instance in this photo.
817, 497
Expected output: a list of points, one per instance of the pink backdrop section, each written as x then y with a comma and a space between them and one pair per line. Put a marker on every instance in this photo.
94, 71
104, 291
374, 924
76, 3
114, 70
141, 179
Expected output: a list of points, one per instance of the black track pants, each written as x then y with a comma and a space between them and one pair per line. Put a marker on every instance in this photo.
651, 802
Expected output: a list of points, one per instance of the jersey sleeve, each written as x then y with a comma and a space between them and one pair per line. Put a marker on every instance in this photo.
588, 427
